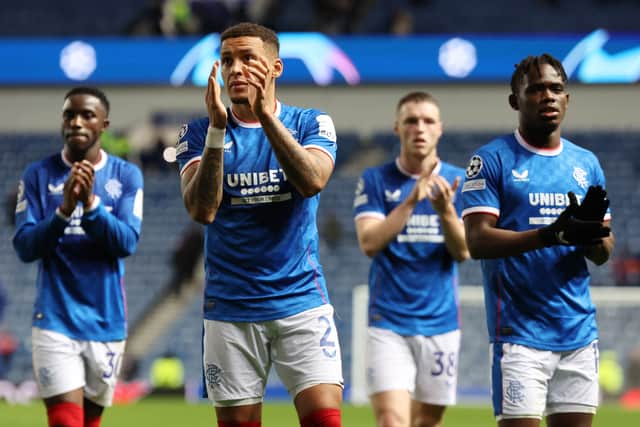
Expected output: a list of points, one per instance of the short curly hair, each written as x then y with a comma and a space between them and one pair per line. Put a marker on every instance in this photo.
525, 66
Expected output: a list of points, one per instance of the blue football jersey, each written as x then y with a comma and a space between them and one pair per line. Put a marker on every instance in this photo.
80, 288
538, 298
413, 282
261, 251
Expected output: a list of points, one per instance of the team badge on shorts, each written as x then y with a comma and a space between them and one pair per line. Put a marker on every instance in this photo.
514, 392
213, 375
474, 167
44, 377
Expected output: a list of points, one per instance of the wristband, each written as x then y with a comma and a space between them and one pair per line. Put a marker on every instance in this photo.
62, 216
215, 138
94, 204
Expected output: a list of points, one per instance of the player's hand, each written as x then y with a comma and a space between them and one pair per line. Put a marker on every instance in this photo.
594, 206
84, 177
257, 72
567, 229
70, 193
213, 98
442, 193
424, 185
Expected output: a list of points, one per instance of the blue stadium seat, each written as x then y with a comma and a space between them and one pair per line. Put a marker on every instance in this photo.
68, 18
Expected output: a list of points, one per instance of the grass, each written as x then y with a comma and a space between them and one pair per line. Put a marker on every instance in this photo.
158, 412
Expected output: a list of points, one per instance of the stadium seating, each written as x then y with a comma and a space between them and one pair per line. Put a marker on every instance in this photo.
69, 18
503, 16
80, 18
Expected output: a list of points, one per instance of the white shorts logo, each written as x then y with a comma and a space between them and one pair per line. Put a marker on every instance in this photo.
44, 377
213, 375
514, 391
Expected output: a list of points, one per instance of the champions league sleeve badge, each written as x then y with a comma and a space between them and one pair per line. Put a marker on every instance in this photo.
474, 167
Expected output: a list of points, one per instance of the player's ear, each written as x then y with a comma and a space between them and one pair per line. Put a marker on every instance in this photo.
513, 101
278, 67
105, 124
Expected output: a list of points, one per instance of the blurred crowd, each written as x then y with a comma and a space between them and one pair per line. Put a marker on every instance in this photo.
196, 17
172, 18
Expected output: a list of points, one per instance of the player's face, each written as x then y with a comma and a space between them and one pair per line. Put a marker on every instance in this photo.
236, 53
83, 120
419, 128
542, 99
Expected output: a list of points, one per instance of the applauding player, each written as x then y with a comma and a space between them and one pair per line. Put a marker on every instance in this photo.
523, 219
79, 212
407, 215
252, 174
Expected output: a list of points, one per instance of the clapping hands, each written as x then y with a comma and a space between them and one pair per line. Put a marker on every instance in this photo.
579, 225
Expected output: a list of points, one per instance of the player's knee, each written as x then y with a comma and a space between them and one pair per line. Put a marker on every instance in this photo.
326, 417
391, 418
65, 414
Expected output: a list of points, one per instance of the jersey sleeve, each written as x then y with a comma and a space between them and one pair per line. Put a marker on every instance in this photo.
481, 185
190, 143
36, 235
368, 201
319, 133
457, 201
599, 179
119, 230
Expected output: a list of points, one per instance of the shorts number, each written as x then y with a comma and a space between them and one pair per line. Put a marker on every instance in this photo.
444, 364
114, 359
325, 341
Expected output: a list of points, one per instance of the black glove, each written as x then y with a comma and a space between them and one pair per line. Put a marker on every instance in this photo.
594, 205
567, 229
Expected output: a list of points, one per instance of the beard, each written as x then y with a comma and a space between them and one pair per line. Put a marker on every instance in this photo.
239, 100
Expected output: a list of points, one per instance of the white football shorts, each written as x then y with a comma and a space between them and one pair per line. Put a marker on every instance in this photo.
303, 349
62, 364
531, 383
425, 366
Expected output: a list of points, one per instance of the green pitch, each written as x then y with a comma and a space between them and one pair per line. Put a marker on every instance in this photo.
157, 412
